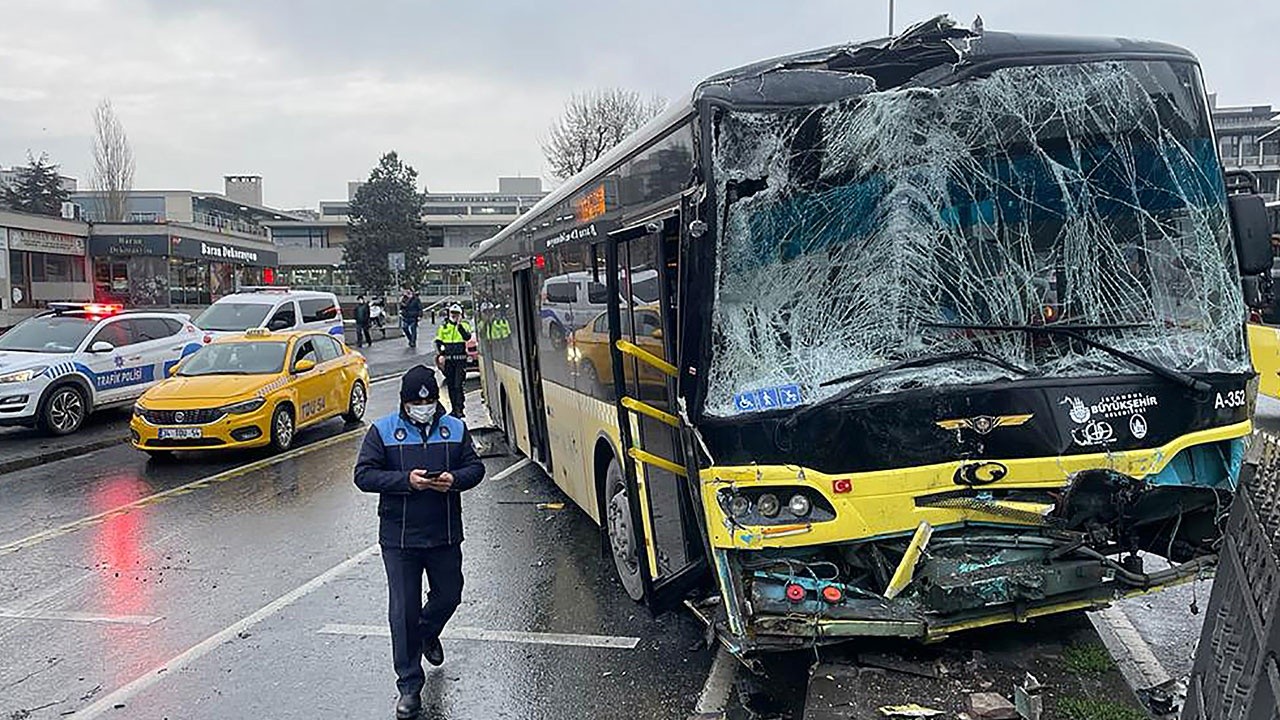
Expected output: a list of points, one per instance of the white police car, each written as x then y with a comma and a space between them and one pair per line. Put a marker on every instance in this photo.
272, 308
61, 365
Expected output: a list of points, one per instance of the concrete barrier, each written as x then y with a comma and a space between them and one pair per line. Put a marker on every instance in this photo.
1236, 675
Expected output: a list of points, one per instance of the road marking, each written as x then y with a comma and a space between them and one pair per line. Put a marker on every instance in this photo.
511, 470
81, 617
1139, 665
204, 647
223, 476
714, 699
612, 642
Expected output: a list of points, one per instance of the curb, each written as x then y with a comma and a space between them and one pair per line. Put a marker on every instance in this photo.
30, 461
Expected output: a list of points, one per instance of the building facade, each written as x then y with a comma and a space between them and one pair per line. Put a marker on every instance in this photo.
456, 223
1249, 139
42, 259
181, 248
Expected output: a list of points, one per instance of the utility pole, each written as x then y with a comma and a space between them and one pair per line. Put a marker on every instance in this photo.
890, 18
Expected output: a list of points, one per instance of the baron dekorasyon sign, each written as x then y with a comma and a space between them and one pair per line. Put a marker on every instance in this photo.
222, 252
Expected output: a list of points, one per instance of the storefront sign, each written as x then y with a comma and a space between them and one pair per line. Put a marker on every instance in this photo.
222, 252
128, 245
44, 242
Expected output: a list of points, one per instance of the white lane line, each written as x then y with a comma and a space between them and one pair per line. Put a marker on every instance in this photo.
1139, 665
714, 699
204, 647
511, 470
81, 617
612, 642
74, 525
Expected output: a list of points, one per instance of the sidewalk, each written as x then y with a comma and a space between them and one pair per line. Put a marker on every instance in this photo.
393, 356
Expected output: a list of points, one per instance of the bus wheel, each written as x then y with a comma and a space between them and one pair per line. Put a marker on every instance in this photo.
622, 536
508, 428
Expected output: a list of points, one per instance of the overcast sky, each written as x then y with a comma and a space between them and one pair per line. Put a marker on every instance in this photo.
309, 93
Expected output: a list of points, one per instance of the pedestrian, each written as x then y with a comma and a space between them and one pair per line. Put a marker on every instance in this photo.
410, 315
378, 315
418, 460
451, 356
362, 322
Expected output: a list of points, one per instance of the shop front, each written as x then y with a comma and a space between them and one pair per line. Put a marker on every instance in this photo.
171, 270
44, 267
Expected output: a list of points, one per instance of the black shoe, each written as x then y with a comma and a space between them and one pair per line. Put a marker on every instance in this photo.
408, 706
433, 651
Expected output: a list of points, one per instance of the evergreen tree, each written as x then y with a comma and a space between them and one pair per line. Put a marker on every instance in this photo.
37, 189
386, 217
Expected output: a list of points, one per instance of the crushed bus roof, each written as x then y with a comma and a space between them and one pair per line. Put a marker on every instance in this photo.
936, 45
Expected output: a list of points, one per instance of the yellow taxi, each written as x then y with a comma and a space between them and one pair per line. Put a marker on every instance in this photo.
251, 390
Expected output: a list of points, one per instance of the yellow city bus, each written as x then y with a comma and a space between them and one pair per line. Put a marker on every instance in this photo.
896, 338
1264, 327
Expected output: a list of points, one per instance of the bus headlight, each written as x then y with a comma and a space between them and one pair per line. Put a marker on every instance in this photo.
799, 505
768, 505
739, 506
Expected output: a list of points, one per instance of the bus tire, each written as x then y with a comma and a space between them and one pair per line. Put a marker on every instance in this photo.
508, 428
623, 543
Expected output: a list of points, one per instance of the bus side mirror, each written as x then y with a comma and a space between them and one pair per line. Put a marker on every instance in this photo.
1254, 297
1252, 230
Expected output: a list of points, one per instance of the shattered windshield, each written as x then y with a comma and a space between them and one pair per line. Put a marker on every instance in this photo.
1082, 195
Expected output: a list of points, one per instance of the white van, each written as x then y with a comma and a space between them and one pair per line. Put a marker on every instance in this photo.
571, 300
277, 309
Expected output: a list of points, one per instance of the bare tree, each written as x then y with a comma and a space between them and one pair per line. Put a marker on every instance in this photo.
593, 122
112, 162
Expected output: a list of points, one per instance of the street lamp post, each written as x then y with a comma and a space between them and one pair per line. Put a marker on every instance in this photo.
890, 18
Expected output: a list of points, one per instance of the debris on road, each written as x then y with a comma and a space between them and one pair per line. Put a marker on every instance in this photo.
910, 710
991, 706
1027, 700
550, 506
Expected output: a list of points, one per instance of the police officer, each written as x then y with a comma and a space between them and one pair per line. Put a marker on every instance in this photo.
418, 460
451, 356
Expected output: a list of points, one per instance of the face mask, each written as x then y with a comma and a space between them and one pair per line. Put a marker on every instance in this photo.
421, 414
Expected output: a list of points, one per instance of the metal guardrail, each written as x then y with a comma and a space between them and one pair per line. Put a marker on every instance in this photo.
1236, 675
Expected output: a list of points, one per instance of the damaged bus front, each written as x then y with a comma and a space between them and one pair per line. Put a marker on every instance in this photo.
975, 347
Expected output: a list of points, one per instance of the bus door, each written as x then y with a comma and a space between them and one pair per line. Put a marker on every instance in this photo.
642, 277
527, 324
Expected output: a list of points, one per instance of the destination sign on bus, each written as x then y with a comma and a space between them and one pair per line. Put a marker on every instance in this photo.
591, 206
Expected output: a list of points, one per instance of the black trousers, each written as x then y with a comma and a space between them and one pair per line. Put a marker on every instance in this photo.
362, 335
455, 373
411, 622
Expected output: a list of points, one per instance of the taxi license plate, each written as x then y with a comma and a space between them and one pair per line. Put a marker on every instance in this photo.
180, 433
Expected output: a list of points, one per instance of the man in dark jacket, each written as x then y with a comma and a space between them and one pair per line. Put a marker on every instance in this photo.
410, 314
362, 322
418, 461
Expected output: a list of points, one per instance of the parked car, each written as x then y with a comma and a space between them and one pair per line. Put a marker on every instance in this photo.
249, 390
278, 309
59, 366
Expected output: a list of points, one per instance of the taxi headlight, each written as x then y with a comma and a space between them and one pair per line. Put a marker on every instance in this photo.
138, 409
242, 408
21, 375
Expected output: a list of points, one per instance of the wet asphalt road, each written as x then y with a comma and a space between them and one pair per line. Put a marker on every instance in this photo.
260, 594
